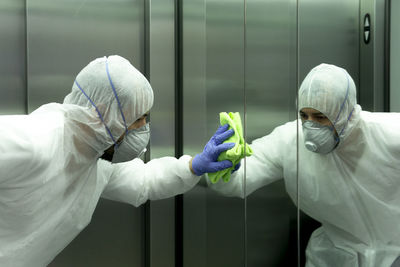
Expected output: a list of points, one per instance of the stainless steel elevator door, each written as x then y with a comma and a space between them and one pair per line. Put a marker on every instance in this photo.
213, 82
63, 37
12, 54
271, 216
328, 33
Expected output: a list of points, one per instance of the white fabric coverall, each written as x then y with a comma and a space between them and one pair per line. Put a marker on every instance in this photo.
51, 178
354, 191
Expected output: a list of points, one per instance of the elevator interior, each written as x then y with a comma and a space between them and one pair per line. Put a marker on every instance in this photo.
201, 57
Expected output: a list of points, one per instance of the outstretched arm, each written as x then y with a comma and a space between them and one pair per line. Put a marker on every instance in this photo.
135, 182
263, 167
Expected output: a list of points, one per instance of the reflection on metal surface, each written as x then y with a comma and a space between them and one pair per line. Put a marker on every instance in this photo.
213, 74
194, 128
328, 33
270, 102
12, 53
225, 92
162, 79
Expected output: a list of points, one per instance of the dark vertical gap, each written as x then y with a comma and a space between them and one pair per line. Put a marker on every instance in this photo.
146, 238
26, 57
146, 208
244, 123
386, 70
178, 129
360, 43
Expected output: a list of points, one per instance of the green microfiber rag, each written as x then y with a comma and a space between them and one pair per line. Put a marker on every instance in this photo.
236, 153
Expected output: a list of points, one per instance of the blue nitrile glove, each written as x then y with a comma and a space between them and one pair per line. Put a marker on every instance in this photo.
236, 167
207, 160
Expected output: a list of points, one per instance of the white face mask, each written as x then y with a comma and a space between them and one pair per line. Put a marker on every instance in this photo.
133, 145
319, 138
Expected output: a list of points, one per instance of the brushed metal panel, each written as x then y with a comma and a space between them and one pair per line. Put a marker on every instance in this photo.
329, 33
225, 92
161, 19
213, 81
270, 101
63, 37
162, 76
112, 239
12, 53
194, 130
372, 56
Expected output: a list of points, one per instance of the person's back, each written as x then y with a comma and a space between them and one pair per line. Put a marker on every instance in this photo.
48, 185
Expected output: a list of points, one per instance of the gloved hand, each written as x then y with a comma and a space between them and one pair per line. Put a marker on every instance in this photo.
207, 160
236, 167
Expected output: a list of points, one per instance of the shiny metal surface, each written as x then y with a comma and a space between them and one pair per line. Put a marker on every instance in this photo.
213, 74
112, 239
63, 37
194, 130
270, 102
224, 92
13, 54
161, 34
372, 56
329, 33
395, 57
162, 77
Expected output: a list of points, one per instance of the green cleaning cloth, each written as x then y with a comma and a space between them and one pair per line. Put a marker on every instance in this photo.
235, 154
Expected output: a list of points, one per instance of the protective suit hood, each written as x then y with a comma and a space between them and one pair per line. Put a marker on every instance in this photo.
331, 90
97, 79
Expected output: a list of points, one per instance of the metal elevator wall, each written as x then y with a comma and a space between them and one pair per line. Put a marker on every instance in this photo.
213, 81
271, 217
231, 62
13, 54
214, 45
62, 38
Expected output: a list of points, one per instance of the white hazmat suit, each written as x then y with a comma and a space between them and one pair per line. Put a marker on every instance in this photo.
51, 175
354, 191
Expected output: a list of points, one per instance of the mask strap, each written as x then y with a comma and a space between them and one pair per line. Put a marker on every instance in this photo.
341, 107
98, 112
116, 96
344, 101
347, 122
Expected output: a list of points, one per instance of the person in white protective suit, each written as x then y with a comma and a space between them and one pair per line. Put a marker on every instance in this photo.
51, 169
349, 172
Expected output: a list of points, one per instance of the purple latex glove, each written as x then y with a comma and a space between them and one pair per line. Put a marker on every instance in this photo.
207, 161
